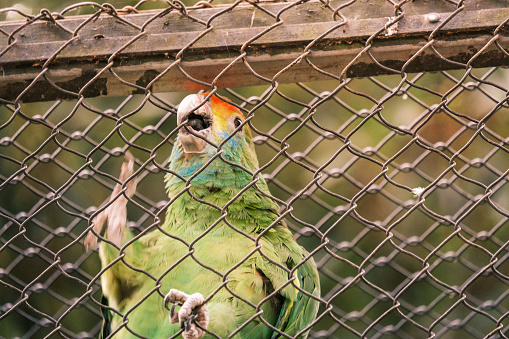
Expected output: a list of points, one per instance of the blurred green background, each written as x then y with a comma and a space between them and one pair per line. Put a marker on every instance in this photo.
392, 267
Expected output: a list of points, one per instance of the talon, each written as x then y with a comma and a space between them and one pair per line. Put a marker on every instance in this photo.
189, 320
172, 311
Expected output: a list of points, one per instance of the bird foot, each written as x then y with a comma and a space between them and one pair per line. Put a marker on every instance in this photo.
193, 315
115, 215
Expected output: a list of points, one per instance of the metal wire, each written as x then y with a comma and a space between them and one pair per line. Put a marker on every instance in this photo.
397, 185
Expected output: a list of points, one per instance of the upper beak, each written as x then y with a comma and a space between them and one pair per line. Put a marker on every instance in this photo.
199, 123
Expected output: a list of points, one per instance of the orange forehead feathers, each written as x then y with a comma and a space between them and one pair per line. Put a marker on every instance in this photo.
222, 108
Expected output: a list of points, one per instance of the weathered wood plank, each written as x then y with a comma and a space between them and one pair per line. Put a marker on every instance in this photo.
468, 32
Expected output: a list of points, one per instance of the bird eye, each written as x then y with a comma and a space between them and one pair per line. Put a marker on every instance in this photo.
237, 122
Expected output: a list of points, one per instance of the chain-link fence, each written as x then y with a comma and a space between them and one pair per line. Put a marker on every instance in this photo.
381, 128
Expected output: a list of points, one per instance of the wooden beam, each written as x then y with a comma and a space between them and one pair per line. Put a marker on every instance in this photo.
68, 53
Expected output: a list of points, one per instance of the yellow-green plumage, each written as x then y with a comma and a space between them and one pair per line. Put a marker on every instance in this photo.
209, 240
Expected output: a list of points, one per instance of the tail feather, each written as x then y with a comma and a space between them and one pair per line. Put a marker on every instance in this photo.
106, 315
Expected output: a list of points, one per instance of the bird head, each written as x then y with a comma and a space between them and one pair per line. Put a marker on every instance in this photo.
209, 122
211, 125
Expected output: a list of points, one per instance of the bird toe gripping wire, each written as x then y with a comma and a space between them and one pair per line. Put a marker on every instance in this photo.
192, 312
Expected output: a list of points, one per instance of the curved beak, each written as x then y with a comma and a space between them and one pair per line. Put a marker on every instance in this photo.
199, 123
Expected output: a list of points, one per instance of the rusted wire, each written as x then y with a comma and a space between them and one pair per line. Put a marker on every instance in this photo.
396, 185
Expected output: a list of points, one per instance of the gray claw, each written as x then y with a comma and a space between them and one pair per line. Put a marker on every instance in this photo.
190, 320
172, 310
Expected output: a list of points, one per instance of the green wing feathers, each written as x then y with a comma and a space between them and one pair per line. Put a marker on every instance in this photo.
298, 309
299, 313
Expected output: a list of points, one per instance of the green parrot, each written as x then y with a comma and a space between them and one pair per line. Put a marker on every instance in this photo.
222, 254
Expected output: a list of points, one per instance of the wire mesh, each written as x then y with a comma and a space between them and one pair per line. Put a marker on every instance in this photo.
397, 185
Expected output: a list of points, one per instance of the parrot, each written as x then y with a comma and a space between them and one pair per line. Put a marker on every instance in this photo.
223, 257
